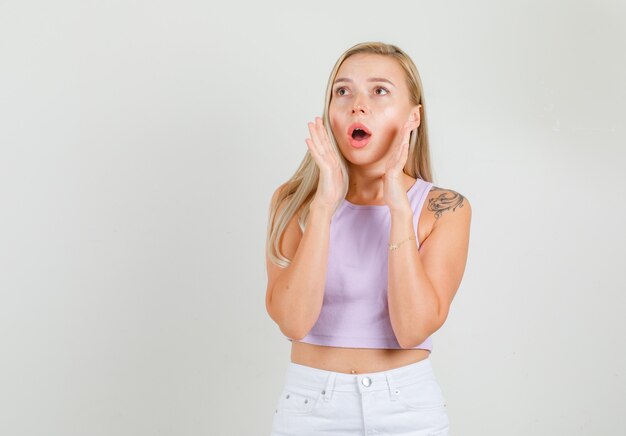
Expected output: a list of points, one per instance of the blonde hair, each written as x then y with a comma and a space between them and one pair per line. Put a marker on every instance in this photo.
298, 192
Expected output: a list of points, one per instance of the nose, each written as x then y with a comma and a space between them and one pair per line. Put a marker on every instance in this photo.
358, 107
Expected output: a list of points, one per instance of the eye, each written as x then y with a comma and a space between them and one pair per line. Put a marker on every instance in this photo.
338, 90
385, 89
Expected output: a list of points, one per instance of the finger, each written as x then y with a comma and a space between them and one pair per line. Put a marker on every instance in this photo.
311, 141
313, 150
407, 133
323, 134
401, 152
322, 128
325, 143
405, 152
314, 135
319, 146
403, 136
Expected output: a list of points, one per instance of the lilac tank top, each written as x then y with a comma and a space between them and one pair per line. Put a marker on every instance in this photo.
355, 312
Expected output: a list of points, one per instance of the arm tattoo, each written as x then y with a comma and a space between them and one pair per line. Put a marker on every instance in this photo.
443, 202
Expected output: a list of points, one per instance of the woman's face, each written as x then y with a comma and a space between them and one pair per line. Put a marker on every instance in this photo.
370, 89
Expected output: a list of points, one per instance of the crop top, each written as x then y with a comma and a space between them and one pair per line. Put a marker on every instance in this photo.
355, 312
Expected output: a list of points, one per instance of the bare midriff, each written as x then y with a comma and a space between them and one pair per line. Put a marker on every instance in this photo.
354, 360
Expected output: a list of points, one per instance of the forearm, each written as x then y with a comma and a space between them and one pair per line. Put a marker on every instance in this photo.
298, 294
413, 303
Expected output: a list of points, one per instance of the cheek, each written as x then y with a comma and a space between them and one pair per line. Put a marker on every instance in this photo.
390, 111
335, 124
393, 119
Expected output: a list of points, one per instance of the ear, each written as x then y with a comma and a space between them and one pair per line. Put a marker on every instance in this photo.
415, 117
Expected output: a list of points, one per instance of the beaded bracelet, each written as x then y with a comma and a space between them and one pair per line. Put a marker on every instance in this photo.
394, 246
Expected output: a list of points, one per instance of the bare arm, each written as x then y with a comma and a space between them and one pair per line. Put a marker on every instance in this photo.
413, 304
423, 283
295, 294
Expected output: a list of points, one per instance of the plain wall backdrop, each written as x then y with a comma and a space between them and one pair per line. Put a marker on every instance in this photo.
140, 143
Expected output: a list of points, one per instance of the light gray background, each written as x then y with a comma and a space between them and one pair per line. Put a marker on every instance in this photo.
140, 145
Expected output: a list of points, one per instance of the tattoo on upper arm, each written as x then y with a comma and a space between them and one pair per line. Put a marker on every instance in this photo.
447, 200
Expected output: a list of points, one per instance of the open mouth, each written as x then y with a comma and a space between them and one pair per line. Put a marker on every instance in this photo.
359, 131
360, 134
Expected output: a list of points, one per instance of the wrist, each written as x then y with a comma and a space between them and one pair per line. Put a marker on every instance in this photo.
401, 210
320, 210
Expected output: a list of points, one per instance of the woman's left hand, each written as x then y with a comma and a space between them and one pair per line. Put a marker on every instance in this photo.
393, 191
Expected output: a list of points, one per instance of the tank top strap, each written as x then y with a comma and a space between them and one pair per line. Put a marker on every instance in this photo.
417, 200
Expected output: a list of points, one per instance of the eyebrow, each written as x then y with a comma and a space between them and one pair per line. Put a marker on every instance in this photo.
371, 79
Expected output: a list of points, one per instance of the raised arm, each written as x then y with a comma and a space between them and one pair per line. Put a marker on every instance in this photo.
423, 283
295, 294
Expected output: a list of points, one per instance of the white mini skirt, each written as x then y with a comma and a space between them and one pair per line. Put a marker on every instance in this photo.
404, 401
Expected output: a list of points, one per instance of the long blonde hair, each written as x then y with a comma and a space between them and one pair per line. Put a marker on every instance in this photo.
298, 192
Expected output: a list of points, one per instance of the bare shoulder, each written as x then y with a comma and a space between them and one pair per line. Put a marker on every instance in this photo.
443, 205
443, 202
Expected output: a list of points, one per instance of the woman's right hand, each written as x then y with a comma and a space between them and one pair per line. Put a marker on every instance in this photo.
330, 185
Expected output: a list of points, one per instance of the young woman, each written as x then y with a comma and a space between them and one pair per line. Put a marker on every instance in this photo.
364, 257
